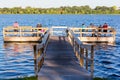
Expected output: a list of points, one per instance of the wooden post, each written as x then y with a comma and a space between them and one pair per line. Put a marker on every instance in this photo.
82, 57
3, 32
37, 33
35, 61
46, 43
97, 29
76, 51
51, 31
92, 60
73, 42
74, 46
20, 31
114, 35
86, 59
34, 49
80, 51
40, 61
80, 33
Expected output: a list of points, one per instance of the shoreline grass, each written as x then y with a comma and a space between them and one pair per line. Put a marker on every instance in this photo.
24, 78
35, 78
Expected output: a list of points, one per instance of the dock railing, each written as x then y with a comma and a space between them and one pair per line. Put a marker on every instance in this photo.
58, 30
40, 52
84, 52
95, 34
23, 31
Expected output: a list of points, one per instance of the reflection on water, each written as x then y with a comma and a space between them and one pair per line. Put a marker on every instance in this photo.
17, 60
18, 47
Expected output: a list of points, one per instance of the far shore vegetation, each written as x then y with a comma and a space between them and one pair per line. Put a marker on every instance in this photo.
24, 78
62, 10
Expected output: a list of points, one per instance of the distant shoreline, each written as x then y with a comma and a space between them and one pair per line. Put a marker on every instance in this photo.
62, 10
59, 14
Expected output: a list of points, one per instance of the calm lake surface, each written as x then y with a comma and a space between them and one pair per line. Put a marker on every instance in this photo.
17, 59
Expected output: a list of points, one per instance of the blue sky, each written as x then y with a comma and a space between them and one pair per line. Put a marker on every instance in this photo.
57, 3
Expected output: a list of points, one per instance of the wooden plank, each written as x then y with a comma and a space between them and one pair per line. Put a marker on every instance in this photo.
94, 32
60, 62
96, 39
28, 39
59, 27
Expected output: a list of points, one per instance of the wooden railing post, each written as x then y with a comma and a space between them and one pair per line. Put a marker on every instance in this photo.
35, 61
20, 32
3, 32
86, 59
80, 32
114, 33
77, 50
37, 33
92, 60
82, 57
74, 45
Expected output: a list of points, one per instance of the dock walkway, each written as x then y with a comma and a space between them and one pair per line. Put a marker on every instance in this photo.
61, 63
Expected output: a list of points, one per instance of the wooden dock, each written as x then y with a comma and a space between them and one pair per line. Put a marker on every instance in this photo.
23, 34
31, 34
95, 34
60, 62
62, 57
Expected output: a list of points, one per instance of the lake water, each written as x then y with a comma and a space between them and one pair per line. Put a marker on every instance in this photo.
17, 60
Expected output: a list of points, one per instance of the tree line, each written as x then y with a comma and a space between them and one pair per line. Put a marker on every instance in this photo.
62, 10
